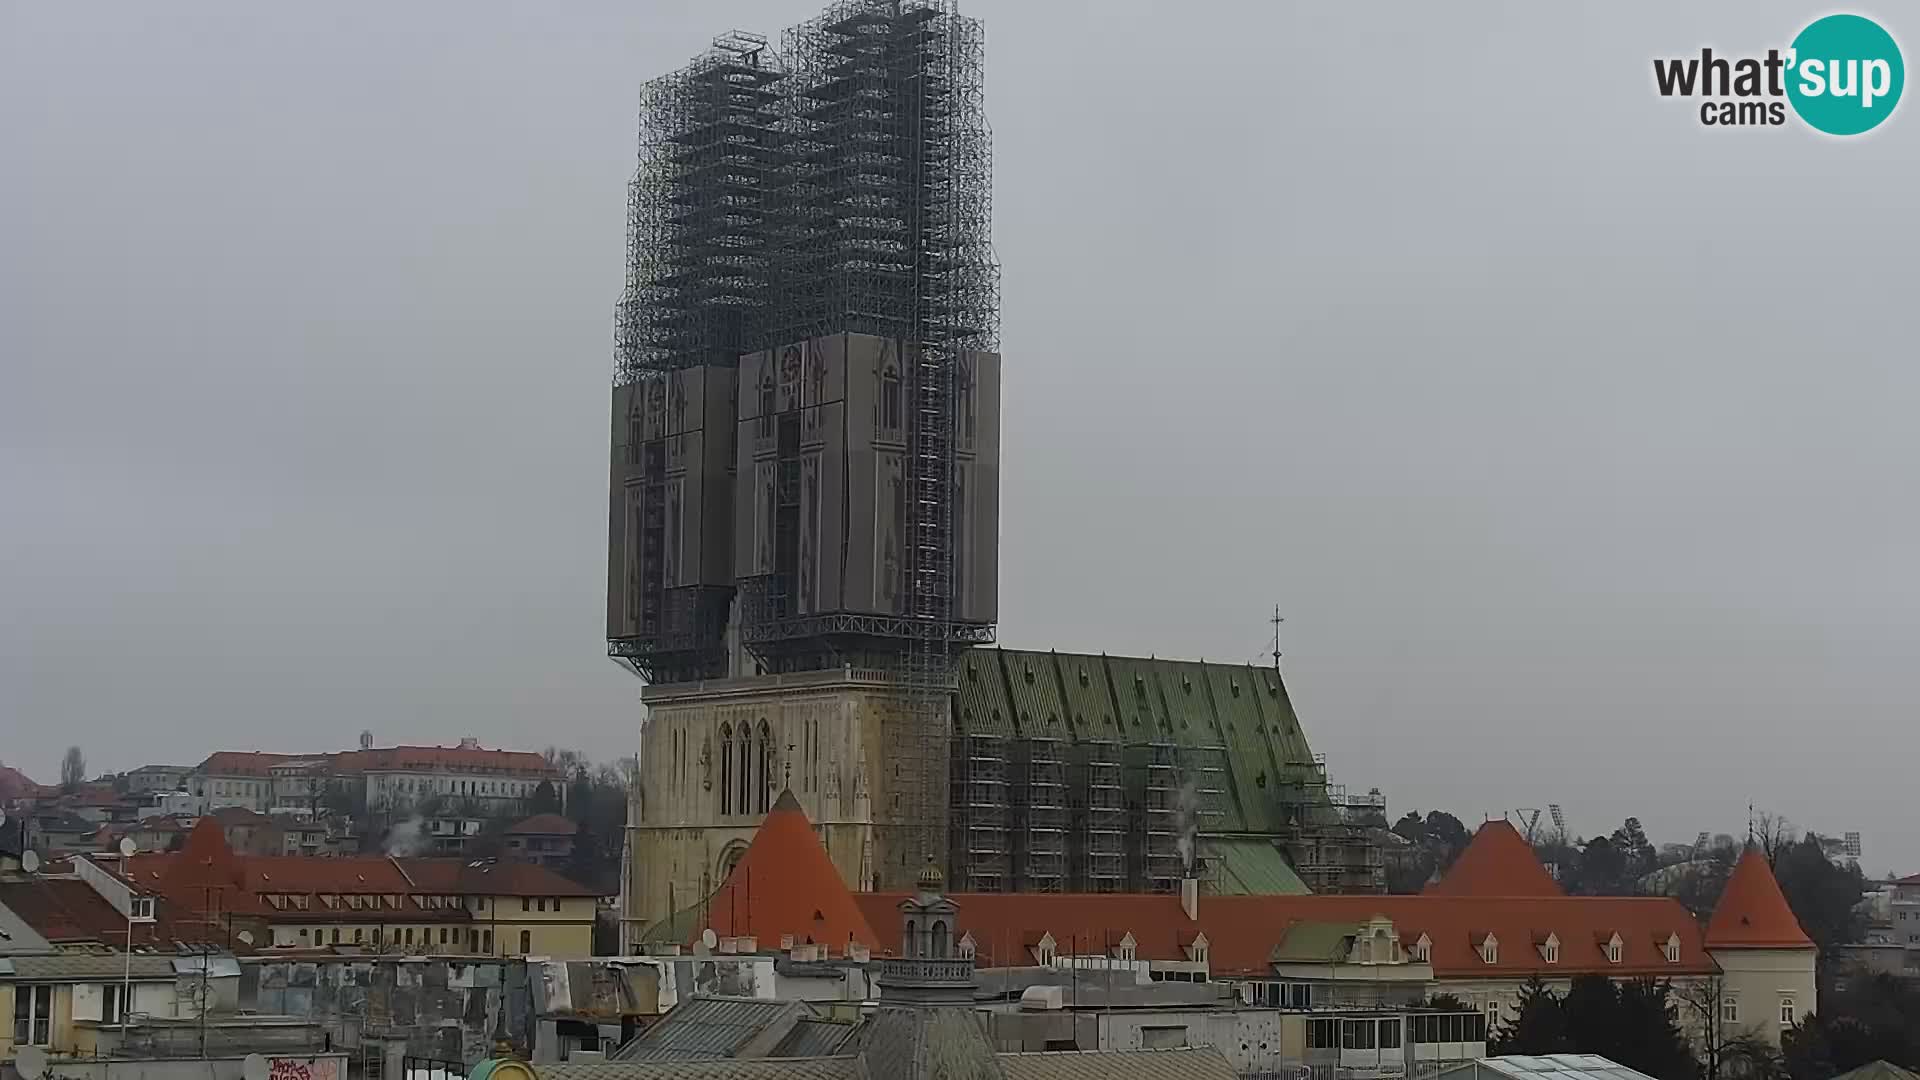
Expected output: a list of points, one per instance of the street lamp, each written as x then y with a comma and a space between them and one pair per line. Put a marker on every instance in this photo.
127, 848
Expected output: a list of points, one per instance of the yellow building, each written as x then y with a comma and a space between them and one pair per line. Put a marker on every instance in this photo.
371, 903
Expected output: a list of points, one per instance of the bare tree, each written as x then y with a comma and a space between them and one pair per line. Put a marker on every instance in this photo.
73, 770
1773, 832
1727, 1051
1704, 1000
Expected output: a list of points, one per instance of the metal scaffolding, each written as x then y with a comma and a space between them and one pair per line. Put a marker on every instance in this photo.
699, 242
1330, 839
840, 183
884, 209
981, 825
1097, 843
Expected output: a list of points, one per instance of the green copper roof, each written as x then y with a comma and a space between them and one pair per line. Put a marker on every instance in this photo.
1236, 709
1250, 866
1315, 943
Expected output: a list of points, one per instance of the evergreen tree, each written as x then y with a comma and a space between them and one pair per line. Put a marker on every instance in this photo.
546, 799
1536, 1024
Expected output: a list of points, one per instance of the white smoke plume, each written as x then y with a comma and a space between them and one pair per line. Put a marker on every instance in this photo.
407, 838
1186, 822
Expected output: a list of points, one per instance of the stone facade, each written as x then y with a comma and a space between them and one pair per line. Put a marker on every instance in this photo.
716, 755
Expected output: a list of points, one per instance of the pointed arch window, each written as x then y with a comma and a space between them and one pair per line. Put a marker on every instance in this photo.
890, 398
745, 767
765, 759
726, 768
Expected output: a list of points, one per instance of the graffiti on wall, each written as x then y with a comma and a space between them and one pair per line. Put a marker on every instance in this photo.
303, 1068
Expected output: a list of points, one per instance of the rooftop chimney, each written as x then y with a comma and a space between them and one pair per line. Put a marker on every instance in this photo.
1190, 897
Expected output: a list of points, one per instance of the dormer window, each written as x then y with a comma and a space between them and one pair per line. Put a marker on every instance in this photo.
1125, 951
1489, 950
1550, 949
1423, 950
1672, 949
1615, 949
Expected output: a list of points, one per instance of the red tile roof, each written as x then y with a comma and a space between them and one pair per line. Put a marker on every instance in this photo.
786, 884
67, 910
242, 762
384, 759
474, 878
1752, 912
544, 825
207, 872
15, 784
1498, 862
1243, 930
475, 759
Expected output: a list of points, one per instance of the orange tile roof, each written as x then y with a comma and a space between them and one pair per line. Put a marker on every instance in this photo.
1497, 862
474, 878
242, 762
478, 759
383, 759
1752, 912
544, 825
1243, 930
68, 910
786, 884
15, 784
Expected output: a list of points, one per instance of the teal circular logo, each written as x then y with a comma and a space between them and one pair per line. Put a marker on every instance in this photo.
1845, 74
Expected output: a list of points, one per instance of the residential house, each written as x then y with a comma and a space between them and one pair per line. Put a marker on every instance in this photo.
148, 779
544, 839
374, 903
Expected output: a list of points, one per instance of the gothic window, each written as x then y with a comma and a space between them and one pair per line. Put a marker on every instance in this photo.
746, 768
966, 395
726, 768
889, 398
913, 938
765, 758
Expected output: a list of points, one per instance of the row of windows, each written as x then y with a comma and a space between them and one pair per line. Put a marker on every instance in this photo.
1368, 1034
538, 903
513, 789
1550, 951
475, 940
1730, 1010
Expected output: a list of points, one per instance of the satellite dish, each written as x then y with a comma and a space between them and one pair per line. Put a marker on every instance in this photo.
128, 847
245, 936
30, 1062
30, 862
708, 939
254, 1067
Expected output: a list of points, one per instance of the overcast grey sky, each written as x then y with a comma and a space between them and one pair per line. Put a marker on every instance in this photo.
1575, 439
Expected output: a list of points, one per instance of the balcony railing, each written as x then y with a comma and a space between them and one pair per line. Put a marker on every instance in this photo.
922, 971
